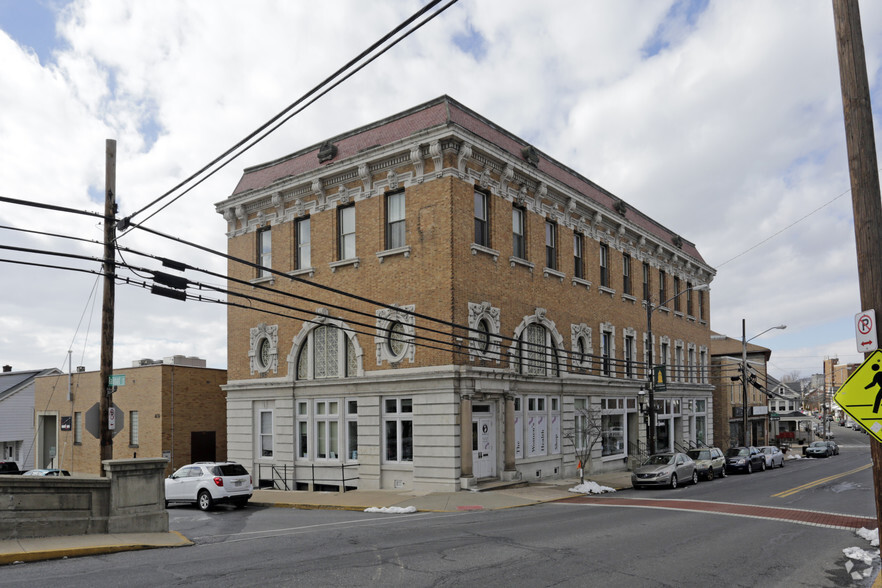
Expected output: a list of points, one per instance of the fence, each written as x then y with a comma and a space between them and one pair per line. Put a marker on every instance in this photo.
287, 477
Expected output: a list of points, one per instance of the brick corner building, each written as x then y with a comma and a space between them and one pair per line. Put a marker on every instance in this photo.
428, 302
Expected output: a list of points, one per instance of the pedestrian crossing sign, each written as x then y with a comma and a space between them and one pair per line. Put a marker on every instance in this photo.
861, 395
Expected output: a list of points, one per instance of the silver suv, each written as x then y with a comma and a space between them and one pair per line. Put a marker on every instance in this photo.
207, 483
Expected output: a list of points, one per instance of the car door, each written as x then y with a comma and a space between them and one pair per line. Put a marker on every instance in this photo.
682, 468
181, 485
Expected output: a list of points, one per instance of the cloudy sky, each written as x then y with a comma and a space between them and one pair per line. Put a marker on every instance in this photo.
722, 120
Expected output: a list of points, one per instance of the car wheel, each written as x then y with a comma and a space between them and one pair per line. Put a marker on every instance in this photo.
763, 466
673, 480
695, 477
782, 462
723, 473
204, 500
710, 473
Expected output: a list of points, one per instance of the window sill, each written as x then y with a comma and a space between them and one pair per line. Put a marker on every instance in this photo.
302, 272
678, 313
581, 282
690, 318
344, 262
263, 280
549, 272
629, 298
606, 290
485, 250
523, 262
663, 308
405, 251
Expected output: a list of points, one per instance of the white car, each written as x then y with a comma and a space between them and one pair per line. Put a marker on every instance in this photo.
774, 456
207, 483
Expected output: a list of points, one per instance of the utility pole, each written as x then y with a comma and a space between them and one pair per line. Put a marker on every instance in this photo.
106, 402
865, 196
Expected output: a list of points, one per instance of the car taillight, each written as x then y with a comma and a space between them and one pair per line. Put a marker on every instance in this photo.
250, 481
218, 481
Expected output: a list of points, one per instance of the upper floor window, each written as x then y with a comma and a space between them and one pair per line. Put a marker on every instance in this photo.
662, 287
604, 265
346, 232
395, 220
606, 353
578, 260
701, 305
536, 352
264, 252
689, 298
304, 243
482, 229
626, 274
550, 245
519, 242
646, 281
630, 352
327, 352
677, 294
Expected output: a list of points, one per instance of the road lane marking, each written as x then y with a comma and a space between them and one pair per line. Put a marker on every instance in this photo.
806, 486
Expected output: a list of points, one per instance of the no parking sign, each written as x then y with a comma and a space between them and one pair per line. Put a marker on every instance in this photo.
865, 331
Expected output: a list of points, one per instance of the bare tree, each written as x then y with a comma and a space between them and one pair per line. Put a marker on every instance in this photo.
793, 376
587, 430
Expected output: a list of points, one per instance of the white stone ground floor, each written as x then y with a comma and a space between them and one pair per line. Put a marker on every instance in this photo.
443, 429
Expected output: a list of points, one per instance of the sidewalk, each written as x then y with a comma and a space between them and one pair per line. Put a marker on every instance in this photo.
42, 548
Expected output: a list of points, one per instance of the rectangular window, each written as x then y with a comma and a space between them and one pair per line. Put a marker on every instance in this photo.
304, 240
327, 421
629, 356
352, 430
537, 426
612, 426
578, 261
580, 424
604, 265
302, 430
692, 367
398, 426
395, 220
676, 294
346, 232
663, 356
519, 242
701, 304
606, 352
645, 281
626, 274
78, 428
678, 364
689, 299
550, 245
702, 358
133, 428
662, 287
264, 252
266, 433
482, 231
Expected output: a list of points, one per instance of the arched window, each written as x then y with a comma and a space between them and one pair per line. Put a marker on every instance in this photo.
537, 355
326, 352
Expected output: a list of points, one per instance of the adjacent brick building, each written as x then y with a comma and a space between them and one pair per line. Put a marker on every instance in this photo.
173, 408
496, 293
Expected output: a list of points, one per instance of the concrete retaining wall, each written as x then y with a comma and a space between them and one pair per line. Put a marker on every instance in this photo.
131, 499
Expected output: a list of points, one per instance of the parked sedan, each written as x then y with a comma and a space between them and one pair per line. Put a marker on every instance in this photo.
819, 449
745, 459
709, 462
773, 455
46, 472
664, 469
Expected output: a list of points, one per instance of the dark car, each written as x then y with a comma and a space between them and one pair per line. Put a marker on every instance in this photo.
745, 459
10, 468
819, 449
832, 445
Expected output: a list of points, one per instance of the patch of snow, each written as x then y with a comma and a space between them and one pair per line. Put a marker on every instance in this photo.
591, 488
858, 554
794, 456
870, 535
392, 509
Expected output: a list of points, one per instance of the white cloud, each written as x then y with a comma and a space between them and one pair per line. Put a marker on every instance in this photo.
724, 126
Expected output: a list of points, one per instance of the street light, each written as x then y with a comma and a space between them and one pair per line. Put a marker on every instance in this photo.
650, 427
744, 341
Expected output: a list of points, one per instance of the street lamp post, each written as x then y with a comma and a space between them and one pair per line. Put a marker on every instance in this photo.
744, 340
650, 432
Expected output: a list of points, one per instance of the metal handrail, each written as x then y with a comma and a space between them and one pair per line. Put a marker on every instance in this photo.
281, 480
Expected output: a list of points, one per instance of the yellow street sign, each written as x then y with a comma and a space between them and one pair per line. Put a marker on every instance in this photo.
861, 395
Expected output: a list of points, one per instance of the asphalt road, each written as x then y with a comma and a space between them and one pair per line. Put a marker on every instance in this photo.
569, 543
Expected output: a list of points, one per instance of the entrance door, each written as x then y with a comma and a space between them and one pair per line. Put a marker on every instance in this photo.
483, 442
202, 446
47, 435
663, 435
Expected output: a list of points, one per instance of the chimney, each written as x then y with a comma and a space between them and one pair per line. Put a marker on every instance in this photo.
7, 369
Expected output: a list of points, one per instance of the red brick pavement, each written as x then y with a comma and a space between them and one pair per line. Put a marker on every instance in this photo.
803, 517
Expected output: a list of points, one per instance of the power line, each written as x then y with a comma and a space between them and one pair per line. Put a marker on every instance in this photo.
278, 120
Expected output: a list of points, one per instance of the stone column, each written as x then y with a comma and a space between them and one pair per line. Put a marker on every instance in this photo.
467, 477
510, 472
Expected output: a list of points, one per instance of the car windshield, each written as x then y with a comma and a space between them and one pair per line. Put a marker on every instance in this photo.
663, 459
818, 444
699, 454
737, 451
